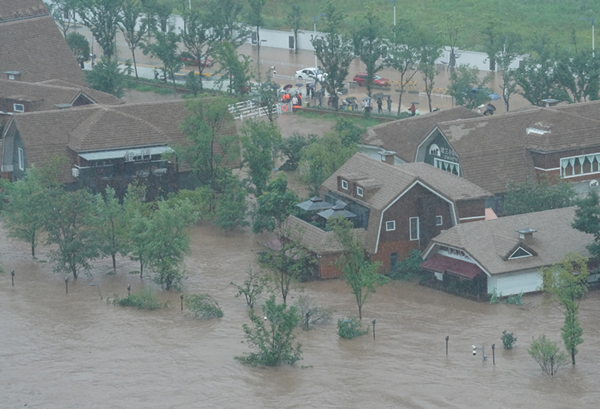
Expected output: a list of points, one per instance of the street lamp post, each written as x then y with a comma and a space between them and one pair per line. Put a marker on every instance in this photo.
394, 3
593, 38
315, 33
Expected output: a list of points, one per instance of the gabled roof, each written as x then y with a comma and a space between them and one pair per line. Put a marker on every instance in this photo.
405, 135
31, 43
491, 242
47, 94
391, 181
496, 149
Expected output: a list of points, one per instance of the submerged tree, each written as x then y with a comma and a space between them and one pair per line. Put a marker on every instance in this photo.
567, 282
272, 336
360, 274
547, 354
109, 225
259, 142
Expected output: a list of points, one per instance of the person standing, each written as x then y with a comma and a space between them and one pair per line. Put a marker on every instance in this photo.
412, 109
379, 104
389, 104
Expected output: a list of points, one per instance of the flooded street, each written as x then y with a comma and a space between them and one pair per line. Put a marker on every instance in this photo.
76, 351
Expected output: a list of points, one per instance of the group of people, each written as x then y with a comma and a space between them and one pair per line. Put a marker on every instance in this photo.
368, 104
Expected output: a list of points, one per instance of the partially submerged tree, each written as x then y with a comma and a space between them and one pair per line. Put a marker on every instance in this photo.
198, 38
102, 17
430, 51
372, 46
294, 19
165, 47
133, 26
259, 142
567, 282
274, 206
252, 288
272, 336
79, 46
109, 231
467, 88
547, 354
360, 274
225, 16
234, 67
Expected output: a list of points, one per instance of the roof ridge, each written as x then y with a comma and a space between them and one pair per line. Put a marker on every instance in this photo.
86, 125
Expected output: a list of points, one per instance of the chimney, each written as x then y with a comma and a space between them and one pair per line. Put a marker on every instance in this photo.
526, 236
550, 102
387, 157
13, 75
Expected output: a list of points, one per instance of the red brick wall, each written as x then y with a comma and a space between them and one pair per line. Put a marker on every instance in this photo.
327, 268
403, 248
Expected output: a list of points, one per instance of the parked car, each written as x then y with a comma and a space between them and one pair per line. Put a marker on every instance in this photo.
191, 59
310, 73
378, 81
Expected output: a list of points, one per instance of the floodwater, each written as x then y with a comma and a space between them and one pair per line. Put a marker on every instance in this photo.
77, 351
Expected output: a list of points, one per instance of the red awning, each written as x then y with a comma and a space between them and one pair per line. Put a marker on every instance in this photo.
443, 264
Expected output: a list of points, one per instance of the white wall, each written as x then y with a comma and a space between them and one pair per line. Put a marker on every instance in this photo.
509, 284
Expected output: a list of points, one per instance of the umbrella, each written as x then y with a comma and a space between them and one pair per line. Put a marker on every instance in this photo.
378, 95
337, 211
315, 203
415, 103
288, 86
274, 85
367, 99
299, 84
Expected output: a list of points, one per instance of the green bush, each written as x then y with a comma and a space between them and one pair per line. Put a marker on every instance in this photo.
144, 299
203, 306
495, 297
508, 339
408, 269
547, 354
316, 314
350, 328
515, 299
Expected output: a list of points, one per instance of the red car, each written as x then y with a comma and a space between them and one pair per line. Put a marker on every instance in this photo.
191, 59
361, 79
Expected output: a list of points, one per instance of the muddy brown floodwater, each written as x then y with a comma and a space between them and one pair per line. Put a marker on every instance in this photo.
77, 351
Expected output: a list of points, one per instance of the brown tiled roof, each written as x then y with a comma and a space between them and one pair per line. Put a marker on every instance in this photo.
589, 109
405, 135
494, 150
49, 93
99, 127
15, 9
490, 242
315, 239
35, 46
392, 180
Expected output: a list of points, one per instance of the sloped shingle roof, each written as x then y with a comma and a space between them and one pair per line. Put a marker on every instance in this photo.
489, 242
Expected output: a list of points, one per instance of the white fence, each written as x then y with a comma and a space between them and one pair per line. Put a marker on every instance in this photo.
253, 109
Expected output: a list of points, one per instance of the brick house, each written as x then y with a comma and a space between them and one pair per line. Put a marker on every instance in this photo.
398, 208
504, 255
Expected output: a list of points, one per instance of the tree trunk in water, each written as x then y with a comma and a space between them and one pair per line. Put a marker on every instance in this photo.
141, 268
114, 262
400, 101
134, 64
573, 355
360, 312
32, 251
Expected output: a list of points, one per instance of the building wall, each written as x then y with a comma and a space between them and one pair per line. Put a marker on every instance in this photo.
515, 283
471, 210
402, 248
327, 268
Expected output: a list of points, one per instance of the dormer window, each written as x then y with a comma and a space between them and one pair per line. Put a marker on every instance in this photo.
344, 185
519, 253
18, 107
359, 191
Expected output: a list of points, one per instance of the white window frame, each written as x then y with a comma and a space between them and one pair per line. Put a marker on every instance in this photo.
439, 220
413, 235
344, 185
359, 191
21, 106
439, 163
579, 160
21, 159
390, 225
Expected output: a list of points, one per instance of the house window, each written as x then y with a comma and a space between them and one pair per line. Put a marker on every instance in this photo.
439, 221
21, 159
359, 191
519, 253
18, 107
390, 226
393, 259
344, 185
414, 228
580, 165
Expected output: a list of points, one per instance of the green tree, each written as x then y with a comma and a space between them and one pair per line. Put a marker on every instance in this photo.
79, 46
294, 19
133, 26
102, 17
274, 206
212, 147
109, 232
334, 50
24, 214
168, 240
108, 77
252, 288
165, 48
323, 157
462, 82
587, 220
256, 19
547, 354
158, 13
361, 275
225, 16
578, 74
135, 223
529, 196
430, 51
259, 142
452, 29
372, 46
231, 204
508, 55
69, 224
404, 55
567, 282
203, 306
63, 13
291, 148
234, 67
273, 337
198, 38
